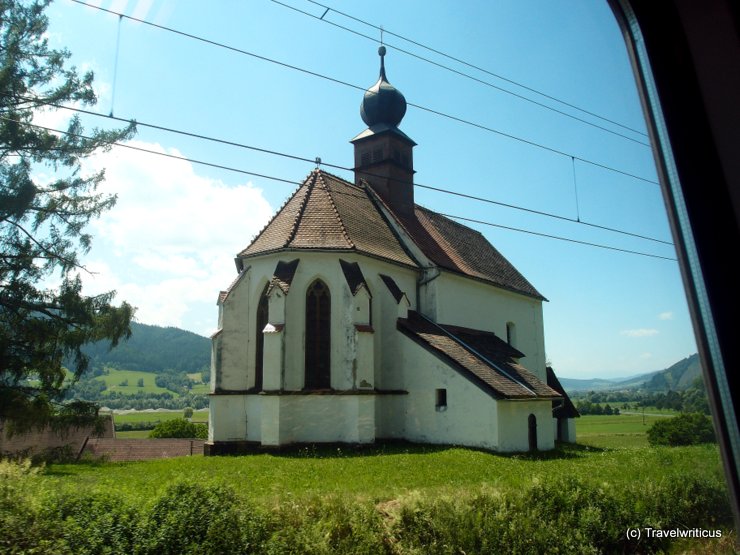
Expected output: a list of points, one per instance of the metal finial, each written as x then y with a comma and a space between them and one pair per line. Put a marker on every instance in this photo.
318, 162
381, 52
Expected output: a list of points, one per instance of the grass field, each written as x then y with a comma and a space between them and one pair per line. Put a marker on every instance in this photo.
395, 498
115, 377
387, 472
616, 431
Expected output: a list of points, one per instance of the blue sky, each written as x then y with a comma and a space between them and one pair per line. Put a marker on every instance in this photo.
168, 245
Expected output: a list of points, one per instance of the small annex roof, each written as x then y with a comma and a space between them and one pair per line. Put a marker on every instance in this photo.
566, 408
393, 287
486, 361
283, 275
353, 275
328, 213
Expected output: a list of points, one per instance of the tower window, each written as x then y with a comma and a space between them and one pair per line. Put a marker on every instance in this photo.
365, 158
441, 402
318, 336
377, 155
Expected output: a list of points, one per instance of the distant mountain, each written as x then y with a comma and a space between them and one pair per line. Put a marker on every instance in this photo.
679, 376
154, 349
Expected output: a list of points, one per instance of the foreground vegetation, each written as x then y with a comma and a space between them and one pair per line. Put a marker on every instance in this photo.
398, 499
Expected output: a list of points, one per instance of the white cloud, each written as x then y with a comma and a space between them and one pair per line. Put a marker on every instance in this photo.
641, 332
668, 315
168, 244
646, 356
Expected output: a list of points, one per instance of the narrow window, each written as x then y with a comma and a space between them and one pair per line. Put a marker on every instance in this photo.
262, 318
318, 336
441, 403
511, 334
532, 425
365, 159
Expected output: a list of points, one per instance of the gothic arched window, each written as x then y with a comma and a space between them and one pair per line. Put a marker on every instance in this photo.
262, 319
318, 336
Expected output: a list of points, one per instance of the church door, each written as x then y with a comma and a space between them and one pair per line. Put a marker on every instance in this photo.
532, 424
318, 336
262, 318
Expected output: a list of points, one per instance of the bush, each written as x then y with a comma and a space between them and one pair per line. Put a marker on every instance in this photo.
684, 429
192, 518
179, 427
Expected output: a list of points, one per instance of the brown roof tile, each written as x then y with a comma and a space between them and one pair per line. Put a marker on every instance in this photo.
327, 212
485, 361
459, 248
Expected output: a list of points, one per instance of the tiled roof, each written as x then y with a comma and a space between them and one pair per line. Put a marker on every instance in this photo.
329, 213
459, 248
566, 408
483, 358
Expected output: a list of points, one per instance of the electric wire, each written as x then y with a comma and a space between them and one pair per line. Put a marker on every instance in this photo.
460, 73
282, 180
348, 169
345, 83
473, 66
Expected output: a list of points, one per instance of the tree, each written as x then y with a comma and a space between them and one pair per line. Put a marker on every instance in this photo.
684, 429
42, 227
179, 427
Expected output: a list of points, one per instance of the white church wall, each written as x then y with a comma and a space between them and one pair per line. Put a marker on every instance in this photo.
513, 425
469, 416
389, 419
318, 419
474, 304
227, 420
233, 344
345, 345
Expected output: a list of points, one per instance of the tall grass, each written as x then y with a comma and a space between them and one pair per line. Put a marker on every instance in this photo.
561, 514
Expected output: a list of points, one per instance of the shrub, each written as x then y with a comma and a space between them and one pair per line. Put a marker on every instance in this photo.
684, 429
194, 518
179, 427
188, 412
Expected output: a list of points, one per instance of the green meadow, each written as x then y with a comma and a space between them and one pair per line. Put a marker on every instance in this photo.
115, 378
395, 499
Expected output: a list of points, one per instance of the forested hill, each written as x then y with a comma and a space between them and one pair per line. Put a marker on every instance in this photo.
678, 377
154, 349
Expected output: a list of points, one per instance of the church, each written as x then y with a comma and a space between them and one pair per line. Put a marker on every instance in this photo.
359, 316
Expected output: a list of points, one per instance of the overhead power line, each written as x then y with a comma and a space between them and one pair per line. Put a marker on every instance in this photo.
455, 71
348, 169
345, 83
282, 180
473, 66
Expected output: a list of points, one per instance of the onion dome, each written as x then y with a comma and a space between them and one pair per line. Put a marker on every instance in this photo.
383, 103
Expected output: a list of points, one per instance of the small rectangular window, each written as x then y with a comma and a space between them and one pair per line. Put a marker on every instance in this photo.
441, 399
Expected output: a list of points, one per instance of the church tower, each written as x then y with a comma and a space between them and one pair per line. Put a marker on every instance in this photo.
383, 153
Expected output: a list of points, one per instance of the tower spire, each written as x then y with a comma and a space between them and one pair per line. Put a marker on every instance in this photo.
383, 156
